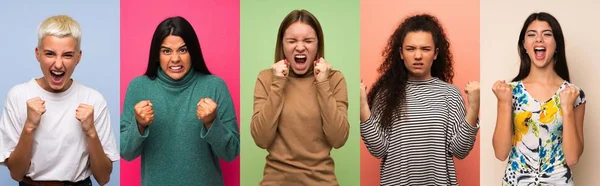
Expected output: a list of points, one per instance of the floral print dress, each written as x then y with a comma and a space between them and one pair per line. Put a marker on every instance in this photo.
536, 156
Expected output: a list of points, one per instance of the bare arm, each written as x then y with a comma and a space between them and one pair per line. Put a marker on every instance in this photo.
573, 133
20, 159
502, 139
99, 163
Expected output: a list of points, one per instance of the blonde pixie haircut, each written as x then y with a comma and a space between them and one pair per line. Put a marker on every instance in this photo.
59, 26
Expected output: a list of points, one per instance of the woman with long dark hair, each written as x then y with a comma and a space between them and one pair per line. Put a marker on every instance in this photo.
178, 117
413, 118
539, 125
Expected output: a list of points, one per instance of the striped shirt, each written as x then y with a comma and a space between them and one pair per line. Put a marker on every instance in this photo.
418, 147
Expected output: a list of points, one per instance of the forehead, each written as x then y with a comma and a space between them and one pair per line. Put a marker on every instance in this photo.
59, 43
538, 25
299, 29
419, 38
172, 40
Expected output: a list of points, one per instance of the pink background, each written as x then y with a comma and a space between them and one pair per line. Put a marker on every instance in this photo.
217, 27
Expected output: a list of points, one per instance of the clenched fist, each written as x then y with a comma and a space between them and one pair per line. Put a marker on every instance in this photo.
568, 96
363, 95
281, 68
144, 113
206, 111
35, 109
322, 69
85, 115
472, 90
365, 111
502, 91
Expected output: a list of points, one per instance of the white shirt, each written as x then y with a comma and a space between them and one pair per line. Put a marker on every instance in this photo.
59, 150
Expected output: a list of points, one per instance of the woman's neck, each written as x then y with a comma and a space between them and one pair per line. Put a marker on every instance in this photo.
545, 75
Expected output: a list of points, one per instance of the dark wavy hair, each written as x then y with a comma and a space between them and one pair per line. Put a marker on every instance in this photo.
175, 26
389, 91
560, 56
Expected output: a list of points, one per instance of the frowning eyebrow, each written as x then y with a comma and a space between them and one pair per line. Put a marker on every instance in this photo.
165, 47
291, 38
423, 46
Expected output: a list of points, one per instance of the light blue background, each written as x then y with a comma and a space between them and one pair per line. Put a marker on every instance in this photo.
99, 65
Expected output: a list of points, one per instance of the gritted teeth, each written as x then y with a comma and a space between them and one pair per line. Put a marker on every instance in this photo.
176, 67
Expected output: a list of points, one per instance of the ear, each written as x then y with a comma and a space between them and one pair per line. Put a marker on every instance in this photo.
79, 56
37, 54
436, 53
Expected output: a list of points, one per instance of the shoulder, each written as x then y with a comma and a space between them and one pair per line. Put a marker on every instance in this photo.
89, 95
19, 93
138, 85
265, 74
582, 97
451, 89
212, 80
566, 83
139, 81
19, 89
514, 83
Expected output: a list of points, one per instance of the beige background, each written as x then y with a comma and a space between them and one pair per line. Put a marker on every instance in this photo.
501, 22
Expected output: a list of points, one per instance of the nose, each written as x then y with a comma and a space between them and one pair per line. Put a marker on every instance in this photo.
300, 47
539, 39
58, 63
418, 55
175, 58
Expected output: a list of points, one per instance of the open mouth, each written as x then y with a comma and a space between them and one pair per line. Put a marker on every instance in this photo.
300, 60
540, 52
57, 76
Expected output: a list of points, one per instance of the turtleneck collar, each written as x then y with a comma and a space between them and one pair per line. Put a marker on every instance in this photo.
185, 81
309, 73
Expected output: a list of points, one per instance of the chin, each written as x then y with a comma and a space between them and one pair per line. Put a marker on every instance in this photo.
56, 88
541, 64
300, 72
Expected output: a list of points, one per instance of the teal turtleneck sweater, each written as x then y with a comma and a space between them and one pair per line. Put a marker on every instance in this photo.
177, 149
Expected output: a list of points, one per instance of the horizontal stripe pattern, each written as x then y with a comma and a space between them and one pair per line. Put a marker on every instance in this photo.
418, 147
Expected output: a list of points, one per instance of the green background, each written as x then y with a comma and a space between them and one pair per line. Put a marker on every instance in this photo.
260, 21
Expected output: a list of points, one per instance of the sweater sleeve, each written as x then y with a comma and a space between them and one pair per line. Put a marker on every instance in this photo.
268, 104
223, 135
461, 134
374, 137
332, 97
131, 139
